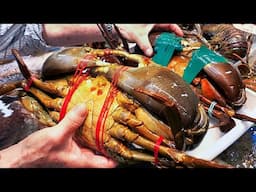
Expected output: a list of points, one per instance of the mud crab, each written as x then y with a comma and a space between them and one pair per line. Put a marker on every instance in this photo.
219, 85
136, 114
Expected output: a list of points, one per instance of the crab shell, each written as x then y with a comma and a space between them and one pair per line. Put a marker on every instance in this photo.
125, 126
162, 92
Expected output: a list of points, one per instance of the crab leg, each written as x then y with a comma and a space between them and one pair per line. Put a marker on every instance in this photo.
127, 118
229, 112
46, 100
225, 121
124, 153
48, 118
58, 87
5, 88
149, 121
250, 83
123, 133
32, 105
251, 86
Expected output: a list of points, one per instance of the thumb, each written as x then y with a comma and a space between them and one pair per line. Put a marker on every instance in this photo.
73, 120
145, 45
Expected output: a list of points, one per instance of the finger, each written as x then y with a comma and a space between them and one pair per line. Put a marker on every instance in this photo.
73, 120
169, 27
176, 29
97, 161
145, 45
101, 162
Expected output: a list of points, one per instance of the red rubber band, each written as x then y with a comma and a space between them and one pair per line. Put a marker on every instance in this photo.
77, 79
156, 148
69, 96
29, 83
100, 126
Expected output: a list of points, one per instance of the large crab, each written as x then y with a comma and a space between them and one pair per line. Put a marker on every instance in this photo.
155, 122
218, 84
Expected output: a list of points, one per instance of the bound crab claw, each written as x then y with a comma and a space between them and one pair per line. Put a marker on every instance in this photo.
150, 124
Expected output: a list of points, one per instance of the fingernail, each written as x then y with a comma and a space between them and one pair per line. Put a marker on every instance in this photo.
82, 109
149, 52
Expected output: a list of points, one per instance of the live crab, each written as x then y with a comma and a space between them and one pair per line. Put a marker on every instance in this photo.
145, 114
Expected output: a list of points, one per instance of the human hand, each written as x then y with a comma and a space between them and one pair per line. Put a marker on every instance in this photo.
55, 147
138, 33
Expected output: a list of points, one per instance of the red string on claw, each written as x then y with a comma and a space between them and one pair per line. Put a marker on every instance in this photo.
156, 148
29, 83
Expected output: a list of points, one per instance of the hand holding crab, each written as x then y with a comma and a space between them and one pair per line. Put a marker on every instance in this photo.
56, 147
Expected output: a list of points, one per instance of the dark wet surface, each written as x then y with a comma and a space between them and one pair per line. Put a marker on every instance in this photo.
11, 78
15, 122
242, 154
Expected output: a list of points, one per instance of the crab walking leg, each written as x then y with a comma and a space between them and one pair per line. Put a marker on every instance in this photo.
33, 106
151, 123
125, 117
46, 100
54, 115
123, 133
124, 153
58, 87
50, 117
154, 124
250, 83
7, 87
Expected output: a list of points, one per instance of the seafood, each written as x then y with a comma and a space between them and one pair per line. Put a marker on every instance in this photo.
218, 84
131, 81
16, 121
225, 39
121, 126
220, 88
249, 74
250, 83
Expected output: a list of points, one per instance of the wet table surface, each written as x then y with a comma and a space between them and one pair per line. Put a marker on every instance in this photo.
242, 153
